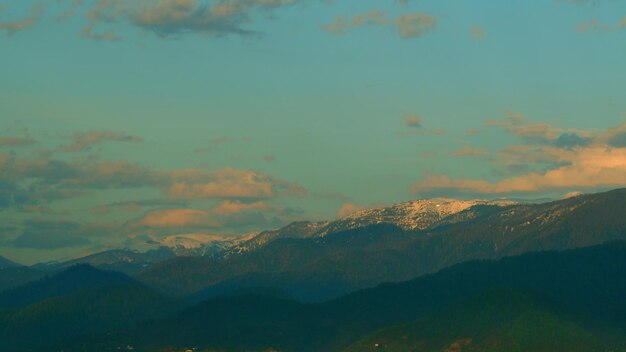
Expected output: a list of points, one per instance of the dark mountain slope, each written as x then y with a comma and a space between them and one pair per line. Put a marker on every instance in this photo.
72, 279
5, 263
19, 275
321, 268
495, 320
591, 281
287, 256
92, 310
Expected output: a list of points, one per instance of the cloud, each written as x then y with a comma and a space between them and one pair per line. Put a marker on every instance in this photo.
215, 144
227, 215
72, 176
540, 133
415, 24
583, 168
108, 209
86, 140
184, 217
71, 11
469, 151
171, 18
295, 190
412, 120
16, 141
268, 158
570, 140
348, 209
409, 25
520, 126
227, 183
616, 136
550, 159
572, 194
233, 207
478, 32
594, 25
41, 210
12, 27
336, 196
47, 234
35, 181
577, 2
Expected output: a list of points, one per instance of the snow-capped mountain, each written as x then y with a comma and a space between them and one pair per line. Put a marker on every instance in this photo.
200, 244
417, 215
413, 215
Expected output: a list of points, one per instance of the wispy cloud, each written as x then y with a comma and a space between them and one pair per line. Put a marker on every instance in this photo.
87, 140
410, 25
348, 208
226, 183
412, 120
11, 27
469, 151
478, 32
571, 162
16, 141
52, 234
171, 18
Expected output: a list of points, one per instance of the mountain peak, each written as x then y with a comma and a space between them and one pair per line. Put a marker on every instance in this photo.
6, 263
421, 213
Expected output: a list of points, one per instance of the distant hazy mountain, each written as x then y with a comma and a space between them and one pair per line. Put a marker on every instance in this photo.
39, 326
19, 275
124, 260
313, 263
550, 301
5, 263
134, 260
75, 278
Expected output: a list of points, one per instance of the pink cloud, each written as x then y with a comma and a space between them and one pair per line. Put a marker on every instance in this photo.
185, 217
589, 167
348, 209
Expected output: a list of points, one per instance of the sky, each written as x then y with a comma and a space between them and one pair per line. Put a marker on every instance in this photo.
123, 122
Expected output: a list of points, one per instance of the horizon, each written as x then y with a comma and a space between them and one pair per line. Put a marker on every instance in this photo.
127, 121
162, 245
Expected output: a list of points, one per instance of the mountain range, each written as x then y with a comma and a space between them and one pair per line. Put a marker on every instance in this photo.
322, 265
5, 263
426, 275
537, 301
317, 261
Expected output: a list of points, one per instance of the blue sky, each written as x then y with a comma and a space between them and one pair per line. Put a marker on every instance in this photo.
127, 120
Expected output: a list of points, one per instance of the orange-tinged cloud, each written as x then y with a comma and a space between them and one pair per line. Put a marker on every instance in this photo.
469, 151
348, 209
596, 166
16, 141
228, 183
519, 125
85, 140
12, 27
412, 120
185, 217
234, 207
409, 25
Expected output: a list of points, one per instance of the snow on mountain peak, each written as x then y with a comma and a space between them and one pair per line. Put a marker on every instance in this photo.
416, 214
190, 241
